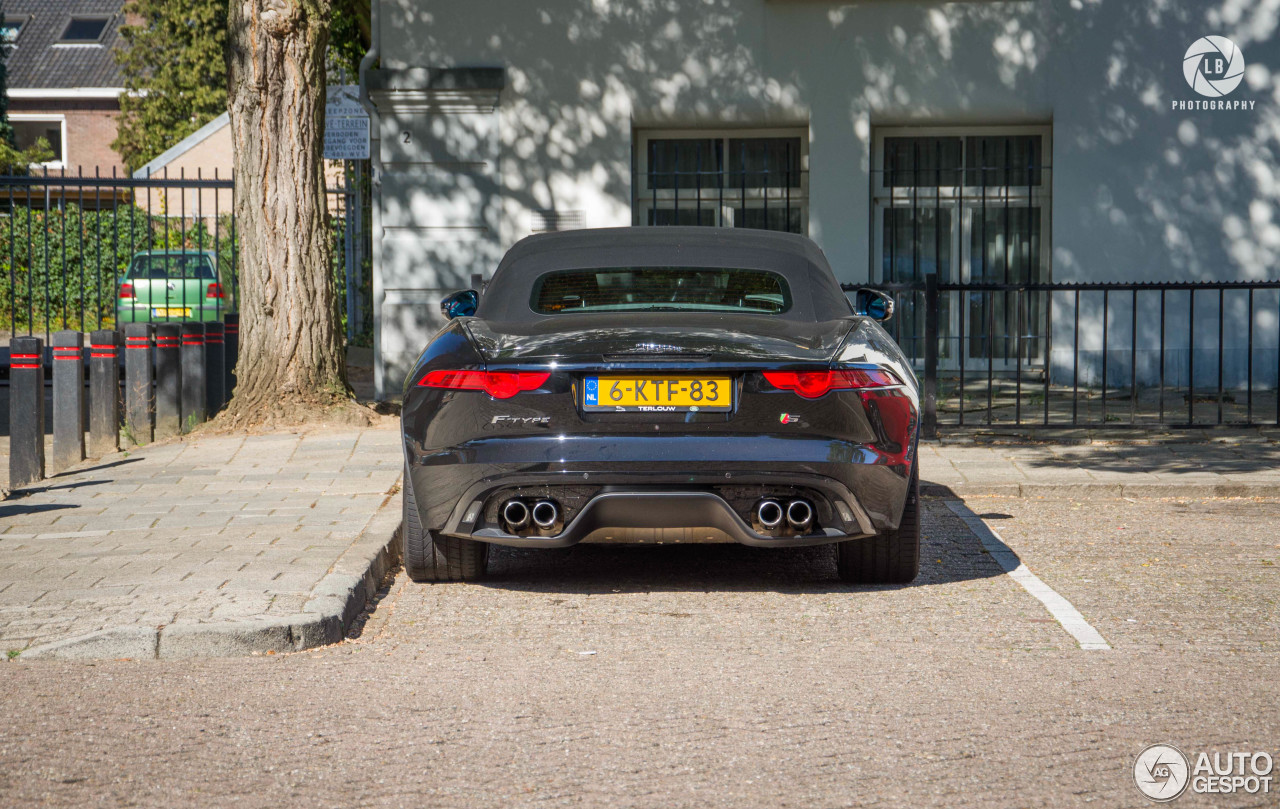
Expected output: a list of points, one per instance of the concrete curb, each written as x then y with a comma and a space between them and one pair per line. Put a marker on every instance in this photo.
1098, 489
335, 602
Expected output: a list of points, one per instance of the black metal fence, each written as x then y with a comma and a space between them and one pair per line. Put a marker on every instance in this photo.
1096, 355
70, 244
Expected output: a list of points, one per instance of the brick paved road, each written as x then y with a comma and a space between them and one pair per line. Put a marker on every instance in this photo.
712, 676
207, 529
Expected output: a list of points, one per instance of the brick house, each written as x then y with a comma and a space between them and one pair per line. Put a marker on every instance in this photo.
64, 83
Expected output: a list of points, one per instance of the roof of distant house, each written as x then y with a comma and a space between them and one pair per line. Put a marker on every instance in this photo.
41, 60
183, 146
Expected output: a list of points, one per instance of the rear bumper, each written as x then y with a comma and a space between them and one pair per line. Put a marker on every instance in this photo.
657, 483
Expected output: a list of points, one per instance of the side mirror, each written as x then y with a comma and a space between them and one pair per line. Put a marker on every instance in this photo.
873, 303
460, 304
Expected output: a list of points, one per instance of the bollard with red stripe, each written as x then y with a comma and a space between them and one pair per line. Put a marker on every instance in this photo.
26, 411
168, 380
138, 407
194, 408
104, 393
68, 400
214, 361
231, 352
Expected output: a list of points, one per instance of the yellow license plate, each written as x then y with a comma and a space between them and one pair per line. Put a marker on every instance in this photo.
657, 394
170, 312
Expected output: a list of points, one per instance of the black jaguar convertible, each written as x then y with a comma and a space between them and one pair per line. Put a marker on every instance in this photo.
662, 385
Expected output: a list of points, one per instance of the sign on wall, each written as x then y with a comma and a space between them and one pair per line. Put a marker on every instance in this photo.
346, 124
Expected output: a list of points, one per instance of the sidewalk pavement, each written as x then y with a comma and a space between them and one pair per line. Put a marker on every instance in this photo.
1201, 469
207, 546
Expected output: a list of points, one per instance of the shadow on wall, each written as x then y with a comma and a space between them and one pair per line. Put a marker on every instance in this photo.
1142, 191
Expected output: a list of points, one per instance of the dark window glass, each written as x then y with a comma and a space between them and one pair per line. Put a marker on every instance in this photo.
661, 289
763, 163
84, 29
921, 162
685, 162
1004, 160
169, 266
704, 216
27, 133
778, 216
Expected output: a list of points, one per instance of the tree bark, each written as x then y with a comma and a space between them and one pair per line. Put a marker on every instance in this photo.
291, 365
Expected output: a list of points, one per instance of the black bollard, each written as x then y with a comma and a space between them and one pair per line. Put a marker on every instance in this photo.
214, 362
232, 352
68, 400
168, 380
26, 411
193, 376
104, 393
138, 406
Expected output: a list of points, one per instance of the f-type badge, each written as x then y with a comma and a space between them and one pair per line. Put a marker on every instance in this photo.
522, 421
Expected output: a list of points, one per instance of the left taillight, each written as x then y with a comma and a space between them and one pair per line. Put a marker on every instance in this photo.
498, 384
813, 384
126, 291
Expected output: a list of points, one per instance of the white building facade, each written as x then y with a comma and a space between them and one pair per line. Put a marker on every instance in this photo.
1048, 140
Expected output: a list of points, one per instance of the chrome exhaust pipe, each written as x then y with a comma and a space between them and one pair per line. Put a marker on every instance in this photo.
545, 514
799, 515
515, 514
769, 513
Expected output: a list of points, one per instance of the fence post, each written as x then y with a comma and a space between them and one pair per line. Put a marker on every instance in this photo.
215, 362
138, 407
929, 418
193, 376
168, 380
26, 411
231, 352
68, 399
104, 393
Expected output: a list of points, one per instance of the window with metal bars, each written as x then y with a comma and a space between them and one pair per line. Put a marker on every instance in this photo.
751, 178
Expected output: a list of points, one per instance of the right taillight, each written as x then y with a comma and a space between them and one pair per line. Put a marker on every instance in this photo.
813, 384
126, 291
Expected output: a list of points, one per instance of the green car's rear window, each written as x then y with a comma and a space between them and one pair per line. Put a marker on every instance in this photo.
661, 289
168, 266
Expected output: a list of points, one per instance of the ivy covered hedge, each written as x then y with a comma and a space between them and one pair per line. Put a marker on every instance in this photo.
60, 269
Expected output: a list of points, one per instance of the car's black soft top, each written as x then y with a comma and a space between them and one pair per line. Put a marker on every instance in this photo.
816, 294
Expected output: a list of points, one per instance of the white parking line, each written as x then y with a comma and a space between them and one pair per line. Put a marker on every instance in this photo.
1060, 608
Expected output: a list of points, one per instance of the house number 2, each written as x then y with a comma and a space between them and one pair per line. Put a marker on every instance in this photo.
405, 136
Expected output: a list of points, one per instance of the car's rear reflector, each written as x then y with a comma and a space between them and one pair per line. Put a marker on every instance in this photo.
813, 384
214, 291
126, 291
498, 384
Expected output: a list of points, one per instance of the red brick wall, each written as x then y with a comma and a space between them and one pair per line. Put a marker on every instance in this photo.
91, 127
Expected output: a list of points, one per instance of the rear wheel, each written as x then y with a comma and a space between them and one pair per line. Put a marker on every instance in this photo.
433, 557
892, 557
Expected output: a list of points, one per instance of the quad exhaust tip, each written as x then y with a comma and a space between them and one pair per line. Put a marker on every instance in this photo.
545, 514
515, 514
799, 514
769, 513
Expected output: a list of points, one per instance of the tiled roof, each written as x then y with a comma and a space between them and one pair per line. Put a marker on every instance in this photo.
37, 63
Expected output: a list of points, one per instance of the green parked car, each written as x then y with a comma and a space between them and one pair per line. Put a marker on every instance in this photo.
171, 286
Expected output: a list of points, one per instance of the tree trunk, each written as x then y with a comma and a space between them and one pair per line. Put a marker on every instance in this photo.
291, 365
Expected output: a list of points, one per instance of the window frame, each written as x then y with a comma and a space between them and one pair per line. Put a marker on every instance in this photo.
960, 199
83, 43
17, 21
50, 118
645, 199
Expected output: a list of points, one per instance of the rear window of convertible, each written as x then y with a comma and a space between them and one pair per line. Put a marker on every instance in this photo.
660, 289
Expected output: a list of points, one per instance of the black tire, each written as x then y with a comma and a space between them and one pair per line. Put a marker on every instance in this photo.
431, 557
892, 557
